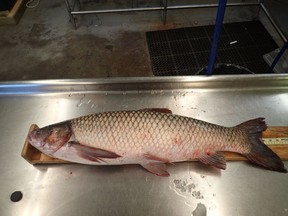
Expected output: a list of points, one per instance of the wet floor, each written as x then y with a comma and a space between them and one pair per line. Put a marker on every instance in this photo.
44, 45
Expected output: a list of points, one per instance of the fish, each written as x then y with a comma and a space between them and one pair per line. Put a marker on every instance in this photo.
153, 138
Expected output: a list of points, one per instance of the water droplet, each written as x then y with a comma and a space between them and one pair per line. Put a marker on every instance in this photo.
189, 204
212, 207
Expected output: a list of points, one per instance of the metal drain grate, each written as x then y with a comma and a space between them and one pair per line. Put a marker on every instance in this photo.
185, 51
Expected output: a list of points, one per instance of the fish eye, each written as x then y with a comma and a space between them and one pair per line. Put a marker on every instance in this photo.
50, 130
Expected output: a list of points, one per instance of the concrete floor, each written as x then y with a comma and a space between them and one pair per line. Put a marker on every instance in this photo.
44, 45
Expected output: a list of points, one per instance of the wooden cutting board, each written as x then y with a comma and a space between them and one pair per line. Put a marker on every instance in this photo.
275, 137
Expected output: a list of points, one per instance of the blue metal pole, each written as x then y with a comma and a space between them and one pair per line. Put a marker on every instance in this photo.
277, 58
217, 31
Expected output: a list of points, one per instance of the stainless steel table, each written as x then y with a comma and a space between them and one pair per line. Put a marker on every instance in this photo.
192, 188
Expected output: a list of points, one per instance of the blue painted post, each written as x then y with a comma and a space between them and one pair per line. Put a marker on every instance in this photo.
217, 31
277, 58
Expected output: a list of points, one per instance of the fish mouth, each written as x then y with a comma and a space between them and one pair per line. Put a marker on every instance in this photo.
32, 137
29, 137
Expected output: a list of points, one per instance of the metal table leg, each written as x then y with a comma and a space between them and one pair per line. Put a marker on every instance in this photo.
165, 4
69, 9
277, 58
216, 36
272, 21
79, 4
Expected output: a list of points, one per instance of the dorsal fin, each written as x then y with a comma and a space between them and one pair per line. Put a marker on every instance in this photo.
160, 110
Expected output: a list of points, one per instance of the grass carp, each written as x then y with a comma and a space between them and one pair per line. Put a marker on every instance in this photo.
152, 138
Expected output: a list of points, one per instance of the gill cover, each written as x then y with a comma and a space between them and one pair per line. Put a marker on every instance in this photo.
51, 138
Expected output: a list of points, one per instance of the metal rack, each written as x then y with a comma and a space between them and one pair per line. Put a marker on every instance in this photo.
222, 4
163, 6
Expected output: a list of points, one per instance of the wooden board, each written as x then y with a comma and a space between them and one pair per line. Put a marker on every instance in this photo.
13, 16
34, 156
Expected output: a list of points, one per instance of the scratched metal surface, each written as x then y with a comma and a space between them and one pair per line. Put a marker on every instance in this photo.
192, 188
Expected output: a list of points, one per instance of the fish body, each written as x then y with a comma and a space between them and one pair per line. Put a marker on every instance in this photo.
152, 138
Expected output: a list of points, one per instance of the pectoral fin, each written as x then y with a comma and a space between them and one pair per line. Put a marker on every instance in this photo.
215, 159
157, 168
91, 154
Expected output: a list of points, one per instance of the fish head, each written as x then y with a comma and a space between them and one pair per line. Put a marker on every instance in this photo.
51, 138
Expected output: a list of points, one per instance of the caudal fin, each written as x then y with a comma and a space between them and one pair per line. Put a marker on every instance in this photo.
260, 154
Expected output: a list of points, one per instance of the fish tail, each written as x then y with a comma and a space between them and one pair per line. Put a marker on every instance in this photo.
260, 153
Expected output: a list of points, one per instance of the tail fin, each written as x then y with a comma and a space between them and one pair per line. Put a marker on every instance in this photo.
260, 154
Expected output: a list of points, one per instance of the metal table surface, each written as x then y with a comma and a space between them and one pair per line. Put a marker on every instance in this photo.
192, 188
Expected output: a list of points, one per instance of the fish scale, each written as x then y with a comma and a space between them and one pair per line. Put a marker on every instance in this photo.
152, 138
142, 131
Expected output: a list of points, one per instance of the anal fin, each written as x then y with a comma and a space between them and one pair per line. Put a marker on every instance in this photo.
216, 159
